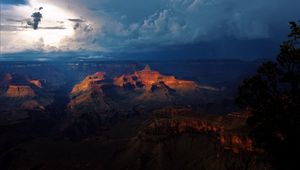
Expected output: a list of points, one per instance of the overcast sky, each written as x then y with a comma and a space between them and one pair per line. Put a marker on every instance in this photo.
148, 28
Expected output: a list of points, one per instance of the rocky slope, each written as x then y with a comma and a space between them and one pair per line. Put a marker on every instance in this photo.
88, 106
88, 95
230, 130
180, 139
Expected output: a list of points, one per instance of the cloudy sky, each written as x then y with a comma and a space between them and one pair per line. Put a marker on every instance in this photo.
147, 28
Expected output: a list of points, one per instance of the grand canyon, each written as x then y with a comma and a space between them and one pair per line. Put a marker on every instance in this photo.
125, 115
149, 85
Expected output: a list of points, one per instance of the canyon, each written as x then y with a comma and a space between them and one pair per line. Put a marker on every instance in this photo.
122, 115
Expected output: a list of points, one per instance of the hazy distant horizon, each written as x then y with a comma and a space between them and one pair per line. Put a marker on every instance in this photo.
76, 56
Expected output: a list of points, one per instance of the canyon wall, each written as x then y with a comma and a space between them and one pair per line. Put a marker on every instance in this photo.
19, 91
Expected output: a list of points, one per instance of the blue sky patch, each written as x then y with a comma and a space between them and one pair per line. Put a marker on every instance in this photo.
12, 1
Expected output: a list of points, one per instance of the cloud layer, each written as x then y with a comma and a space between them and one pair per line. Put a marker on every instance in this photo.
134, 25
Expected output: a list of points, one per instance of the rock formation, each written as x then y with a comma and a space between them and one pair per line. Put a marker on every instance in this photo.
92, 81
88, 96
88, 107
148, 79
19, 91
32, 105
37, 83
151, 84
98, 97
19, 86
172, 120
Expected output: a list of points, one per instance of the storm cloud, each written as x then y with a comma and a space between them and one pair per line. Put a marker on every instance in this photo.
37, 16
76, 20
134, 25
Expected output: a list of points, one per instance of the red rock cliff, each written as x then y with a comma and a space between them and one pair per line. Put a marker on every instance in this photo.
146, 78
223, 128
88, 96
19, 91
91, 81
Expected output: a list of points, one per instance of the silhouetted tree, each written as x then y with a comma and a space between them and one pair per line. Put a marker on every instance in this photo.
273, 96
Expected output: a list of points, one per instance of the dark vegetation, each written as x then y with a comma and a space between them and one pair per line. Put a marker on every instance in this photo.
273, 96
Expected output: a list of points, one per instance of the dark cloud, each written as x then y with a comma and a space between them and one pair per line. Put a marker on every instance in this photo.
37, 16
76, 26
76, 20
186, 22
88, 28
83, 27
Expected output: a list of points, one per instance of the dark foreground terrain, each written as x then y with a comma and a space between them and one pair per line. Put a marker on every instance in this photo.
125, 115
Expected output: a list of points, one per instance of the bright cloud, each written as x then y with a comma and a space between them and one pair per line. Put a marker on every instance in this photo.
59, 29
